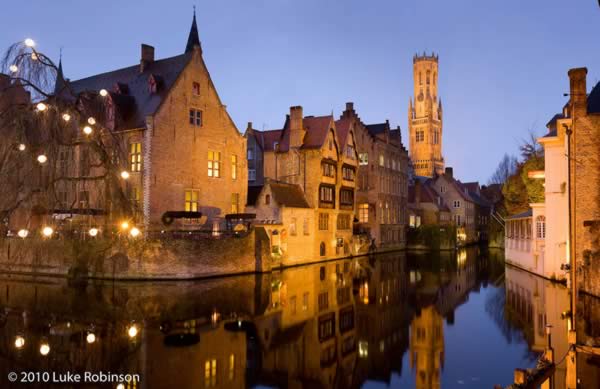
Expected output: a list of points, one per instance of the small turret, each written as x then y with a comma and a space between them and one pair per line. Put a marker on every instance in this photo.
193, 38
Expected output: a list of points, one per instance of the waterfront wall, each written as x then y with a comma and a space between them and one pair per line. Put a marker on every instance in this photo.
168, 258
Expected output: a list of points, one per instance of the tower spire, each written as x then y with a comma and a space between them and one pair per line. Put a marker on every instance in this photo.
193, 38
60, 83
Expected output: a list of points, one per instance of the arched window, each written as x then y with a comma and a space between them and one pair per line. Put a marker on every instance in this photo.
540, 227
268, 199
434, 77
428, 77
322, 250
420, 79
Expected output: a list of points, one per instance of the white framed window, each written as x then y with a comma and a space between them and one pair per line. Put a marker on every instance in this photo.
196, 117
251, 175
456, 203
363, 159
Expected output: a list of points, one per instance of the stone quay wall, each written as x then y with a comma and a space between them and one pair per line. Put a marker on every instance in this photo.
168, 258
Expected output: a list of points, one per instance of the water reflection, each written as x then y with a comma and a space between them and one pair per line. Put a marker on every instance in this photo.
421, 321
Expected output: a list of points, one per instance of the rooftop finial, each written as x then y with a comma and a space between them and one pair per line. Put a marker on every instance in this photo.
193, 38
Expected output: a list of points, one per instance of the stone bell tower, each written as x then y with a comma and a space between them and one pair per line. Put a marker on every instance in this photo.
425, 118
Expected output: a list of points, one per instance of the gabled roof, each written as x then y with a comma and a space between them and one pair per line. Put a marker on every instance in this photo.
144, 101
552, 122
594, 100
342, 127
290, 195
376, 129
317, 128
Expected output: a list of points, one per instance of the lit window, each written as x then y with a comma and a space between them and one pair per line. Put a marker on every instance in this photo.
381, 160
363, 213
363, 159
214, 164
235, 201
191, 201
135, 157
196, 117
234, 167
196, 88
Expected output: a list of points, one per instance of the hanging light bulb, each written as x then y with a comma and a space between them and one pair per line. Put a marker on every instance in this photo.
93, 232
124, 174
47, 231
29, 42
23, 233
132, 331
135, 232
124, 225
22, 147
66, 117
91, 121
87, 130
103, 92
44, 348
34, 56
42, 158
41, 107
19, 341
90, 338
13, 68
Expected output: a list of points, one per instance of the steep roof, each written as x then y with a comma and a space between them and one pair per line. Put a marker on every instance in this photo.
342, 127
594, 100
316, 128
376, 129
193, 38
290, 195
136, 84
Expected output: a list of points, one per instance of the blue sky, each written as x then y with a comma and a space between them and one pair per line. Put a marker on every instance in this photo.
503, 64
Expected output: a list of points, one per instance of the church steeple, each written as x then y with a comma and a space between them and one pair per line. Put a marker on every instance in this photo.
60, 83
193, 38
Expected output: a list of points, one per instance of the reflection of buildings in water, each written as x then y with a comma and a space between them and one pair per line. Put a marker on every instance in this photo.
308, 332
382, 319
532, 303
427, 348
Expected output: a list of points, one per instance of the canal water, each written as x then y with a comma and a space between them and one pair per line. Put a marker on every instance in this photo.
450, 320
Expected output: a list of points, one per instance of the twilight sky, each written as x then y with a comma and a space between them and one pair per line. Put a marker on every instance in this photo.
503, 64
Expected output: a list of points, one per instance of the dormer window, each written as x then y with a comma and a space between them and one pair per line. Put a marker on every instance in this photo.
196, 88
154, 82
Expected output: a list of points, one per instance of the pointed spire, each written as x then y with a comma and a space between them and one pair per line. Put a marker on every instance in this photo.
193, 38
60, 83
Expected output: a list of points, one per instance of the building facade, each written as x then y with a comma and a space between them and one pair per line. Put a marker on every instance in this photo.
425, 118
309, 152
177, 142
382, 180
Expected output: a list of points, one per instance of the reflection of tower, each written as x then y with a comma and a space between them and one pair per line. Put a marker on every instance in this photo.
427, 348
425, 118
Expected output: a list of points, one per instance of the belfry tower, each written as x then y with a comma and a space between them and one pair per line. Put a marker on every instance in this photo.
425, 118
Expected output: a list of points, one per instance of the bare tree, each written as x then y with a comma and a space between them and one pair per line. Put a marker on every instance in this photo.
54, 146
506, 168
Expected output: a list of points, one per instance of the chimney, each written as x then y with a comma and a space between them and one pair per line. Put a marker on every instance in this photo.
417, 192
449, 172
147, 57
578, 89
249, 127
296, 129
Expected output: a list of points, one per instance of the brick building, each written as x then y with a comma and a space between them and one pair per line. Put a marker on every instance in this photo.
382, 180
176, 139
584, 114
310, 152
